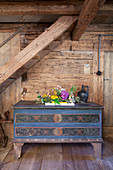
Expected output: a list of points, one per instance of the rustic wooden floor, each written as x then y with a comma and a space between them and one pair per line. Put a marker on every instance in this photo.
60, 157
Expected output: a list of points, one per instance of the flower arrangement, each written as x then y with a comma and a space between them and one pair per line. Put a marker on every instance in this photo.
59, 95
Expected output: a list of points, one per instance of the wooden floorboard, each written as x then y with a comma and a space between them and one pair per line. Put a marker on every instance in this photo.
79, 157
88, 153
33, 157
68, 162
52, 158
107, 161
60, 157
10, 163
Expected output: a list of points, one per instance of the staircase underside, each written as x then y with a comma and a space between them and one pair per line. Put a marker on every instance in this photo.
27, 67
26, 58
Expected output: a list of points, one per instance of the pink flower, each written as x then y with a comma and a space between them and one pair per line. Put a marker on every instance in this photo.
64, 95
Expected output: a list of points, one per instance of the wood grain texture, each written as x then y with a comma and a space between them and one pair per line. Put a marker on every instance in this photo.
36, 8
87, 13
108, 88
27, 66
33, 158
9, 50
83, 156
88, 156
60, 156
37, 58
10, 97
0, 105
17, 150
52, 158
58, 28
39, 77
107, 160
68, 69
108, 132
97, 150
12, 94
68, 162
8, 160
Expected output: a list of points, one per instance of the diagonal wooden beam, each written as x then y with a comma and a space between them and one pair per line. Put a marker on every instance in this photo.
27, 67
36, 46
87, 14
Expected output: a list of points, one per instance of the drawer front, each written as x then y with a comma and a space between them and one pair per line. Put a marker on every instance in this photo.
57, 118
57, 131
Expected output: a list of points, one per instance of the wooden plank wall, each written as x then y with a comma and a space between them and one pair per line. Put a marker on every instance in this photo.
108, 88
12, 94
67, 66
59, 68
71, 63
10, 49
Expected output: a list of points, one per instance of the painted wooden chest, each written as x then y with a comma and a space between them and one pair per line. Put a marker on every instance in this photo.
40, 123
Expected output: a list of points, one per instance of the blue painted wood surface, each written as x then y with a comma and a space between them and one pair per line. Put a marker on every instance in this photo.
31, 108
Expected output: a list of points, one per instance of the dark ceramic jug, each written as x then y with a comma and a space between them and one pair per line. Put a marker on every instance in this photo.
83, 94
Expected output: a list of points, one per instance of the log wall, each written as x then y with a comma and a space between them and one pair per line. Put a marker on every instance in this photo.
71, 63
12, 94
60, 68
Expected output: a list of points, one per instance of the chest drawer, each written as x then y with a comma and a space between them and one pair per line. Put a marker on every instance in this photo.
51, 116
85, 132
57, 118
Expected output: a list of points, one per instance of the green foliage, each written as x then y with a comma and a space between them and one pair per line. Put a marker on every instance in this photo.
47, 99
73, 89
58, 92
56, 101
39, 97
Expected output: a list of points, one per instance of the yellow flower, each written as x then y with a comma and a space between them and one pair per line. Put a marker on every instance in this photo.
54, 97
55, 92
44, 96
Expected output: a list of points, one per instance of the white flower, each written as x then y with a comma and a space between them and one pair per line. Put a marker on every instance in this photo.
59, 86
63, 89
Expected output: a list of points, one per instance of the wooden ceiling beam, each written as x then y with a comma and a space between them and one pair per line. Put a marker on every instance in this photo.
107, 7
36, 8
87, 14
106, 10
18, 8
36, 46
